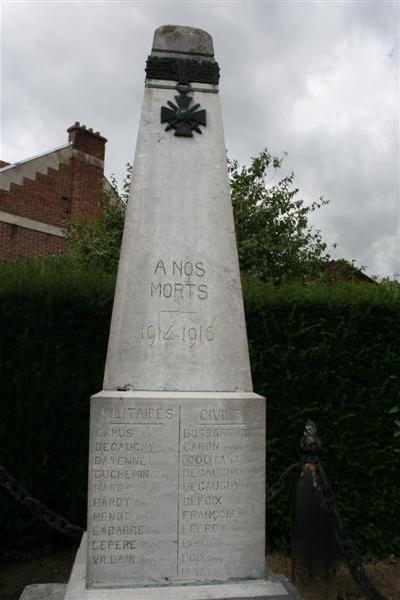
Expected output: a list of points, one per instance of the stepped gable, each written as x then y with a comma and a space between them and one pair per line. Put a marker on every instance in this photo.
38, 194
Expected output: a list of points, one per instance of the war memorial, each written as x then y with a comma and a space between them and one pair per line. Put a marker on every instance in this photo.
176, 496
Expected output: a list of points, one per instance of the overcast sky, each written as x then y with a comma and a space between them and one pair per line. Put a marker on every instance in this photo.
319, 80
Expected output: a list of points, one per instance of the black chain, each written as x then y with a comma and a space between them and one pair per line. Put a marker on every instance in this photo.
37, 508
343, 540
40, 511
286, 477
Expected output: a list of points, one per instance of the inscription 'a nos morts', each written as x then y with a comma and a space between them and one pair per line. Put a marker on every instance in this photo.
180, 279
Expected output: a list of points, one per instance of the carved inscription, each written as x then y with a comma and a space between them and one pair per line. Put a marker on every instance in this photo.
179, 279
191, 335
213, 487
169, 491
129, 450
181, 286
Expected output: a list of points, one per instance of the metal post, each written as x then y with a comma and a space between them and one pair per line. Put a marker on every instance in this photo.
313, 538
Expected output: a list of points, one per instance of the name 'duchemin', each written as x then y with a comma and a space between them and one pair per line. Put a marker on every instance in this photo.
181, 279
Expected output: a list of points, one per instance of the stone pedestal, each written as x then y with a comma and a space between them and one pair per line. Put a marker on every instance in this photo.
176, 499
271, 588
176, 488
44, 591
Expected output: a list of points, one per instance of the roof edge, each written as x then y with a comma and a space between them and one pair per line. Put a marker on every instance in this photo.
21, 162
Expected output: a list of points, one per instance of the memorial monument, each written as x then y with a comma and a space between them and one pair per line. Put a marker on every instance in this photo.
176, 499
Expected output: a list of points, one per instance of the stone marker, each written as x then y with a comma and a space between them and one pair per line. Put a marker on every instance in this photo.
178, 320
176, 497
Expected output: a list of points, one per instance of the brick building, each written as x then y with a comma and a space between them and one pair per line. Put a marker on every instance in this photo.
39, 193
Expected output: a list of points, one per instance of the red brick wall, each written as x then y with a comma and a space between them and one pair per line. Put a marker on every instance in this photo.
87, 140
73, 190
87, 190
18, 242
47, 198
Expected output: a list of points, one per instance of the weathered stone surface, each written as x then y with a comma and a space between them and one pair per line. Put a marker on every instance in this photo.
44, 591
178, 321
272, 588
176, 487
176, 498
188, 40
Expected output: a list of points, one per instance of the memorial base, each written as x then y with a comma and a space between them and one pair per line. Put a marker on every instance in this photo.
176, 503
176, 488
273, 587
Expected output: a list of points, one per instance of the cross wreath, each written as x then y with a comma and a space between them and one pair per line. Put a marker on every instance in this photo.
180, 116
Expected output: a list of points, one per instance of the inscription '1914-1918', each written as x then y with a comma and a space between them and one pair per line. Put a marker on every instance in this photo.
192, 335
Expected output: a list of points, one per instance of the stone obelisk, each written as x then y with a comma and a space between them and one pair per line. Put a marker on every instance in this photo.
178, 319
176, 497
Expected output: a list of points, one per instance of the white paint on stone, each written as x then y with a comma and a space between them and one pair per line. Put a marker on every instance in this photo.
6, 217
29, 168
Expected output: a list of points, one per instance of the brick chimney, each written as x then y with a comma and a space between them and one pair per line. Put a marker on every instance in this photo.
86, 140
88, 172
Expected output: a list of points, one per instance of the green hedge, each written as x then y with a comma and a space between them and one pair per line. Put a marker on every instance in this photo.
332, 354
327, 353
54, 320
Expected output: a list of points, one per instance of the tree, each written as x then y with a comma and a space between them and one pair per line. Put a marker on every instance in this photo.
275, 241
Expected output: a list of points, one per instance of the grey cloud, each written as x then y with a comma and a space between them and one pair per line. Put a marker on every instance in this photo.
315, 79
